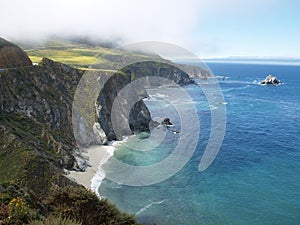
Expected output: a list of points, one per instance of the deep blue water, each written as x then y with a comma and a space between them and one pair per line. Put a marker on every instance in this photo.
255, 178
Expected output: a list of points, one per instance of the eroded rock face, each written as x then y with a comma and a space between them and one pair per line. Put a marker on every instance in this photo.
12, 56
122, 113
36, 121
130, 114
271, 80
159, 69
43, 94
43, 97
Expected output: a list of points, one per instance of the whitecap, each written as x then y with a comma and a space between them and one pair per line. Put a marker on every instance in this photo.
212, 107
237, 88
149, 205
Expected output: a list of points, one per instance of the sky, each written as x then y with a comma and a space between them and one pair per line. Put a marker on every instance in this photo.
208, 28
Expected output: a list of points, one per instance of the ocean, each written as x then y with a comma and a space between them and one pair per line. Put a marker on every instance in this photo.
255, 177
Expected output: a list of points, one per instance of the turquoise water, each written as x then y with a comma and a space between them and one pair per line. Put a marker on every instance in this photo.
255, 178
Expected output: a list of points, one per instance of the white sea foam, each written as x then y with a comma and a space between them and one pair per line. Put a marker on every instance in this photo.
149, 205
221, 77
157, 96
269, 84
212, 107
100, 174
237, 88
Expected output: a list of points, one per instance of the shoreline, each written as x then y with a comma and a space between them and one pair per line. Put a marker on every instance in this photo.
93, 175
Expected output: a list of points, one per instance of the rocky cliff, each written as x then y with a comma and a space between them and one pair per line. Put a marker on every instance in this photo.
158, 69
37, 142
36, 110
12, 56
35, 128
130, 114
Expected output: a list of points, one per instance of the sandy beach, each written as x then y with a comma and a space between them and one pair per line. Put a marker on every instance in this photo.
97, 155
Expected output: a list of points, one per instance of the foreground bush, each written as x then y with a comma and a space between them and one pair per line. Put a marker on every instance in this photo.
51, 220
65, 206
82, 205
19, 205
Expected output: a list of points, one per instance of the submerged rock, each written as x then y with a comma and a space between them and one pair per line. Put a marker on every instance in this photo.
271, 80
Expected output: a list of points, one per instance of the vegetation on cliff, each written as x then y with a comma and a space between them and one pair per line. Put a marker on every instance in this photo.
70, 205
83, 55
37, 144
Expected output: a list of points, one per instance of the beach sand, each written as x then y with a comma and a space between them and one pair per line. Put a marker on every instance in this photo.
96, 155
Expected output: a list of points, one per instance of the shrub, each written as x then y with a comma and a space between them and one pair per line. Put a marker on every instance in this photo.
20, 212
18, 205
82, 205
52, 220
3, 212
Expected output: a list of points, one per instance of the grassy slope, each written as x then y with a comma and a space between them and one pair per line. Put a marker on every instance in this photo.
21, 137
80, 55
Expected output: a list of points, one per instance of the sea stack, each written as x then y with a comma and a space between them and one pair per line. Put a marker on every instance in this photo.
12, 56
167, 122
271, 80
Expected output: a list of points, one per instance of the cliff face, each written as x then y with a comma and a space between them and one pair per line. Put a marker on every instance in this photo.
36, 139
12, 56
159, 69
120, 110
130, 114
44, 94
36, 122
36, 127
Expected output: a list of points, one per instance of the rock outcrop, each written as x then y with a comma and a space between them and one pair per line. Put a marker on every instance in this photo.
43, 95
131, 114
167, 122
158, 69
36, 136
271, 80
12, 56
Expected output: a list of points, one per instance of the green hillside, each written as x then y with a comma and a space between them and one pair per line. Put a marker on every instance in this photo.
82, 56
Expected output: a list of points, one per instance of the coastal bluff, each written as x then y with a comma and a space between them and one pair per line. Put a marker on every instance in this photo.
37, 143
12, 56
36, 114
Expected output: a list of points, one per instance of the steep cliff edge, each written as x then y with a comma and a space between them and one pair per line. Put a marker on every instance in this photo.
42, 96
37, 142
12, 56
131, 114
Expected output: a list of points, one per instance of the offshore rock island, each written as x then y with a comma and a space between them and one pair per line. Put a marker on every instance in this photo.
271, 80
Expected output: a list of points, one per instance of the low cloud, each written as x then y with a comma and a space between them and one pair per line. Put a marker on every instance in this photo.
177, 21
132, 20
